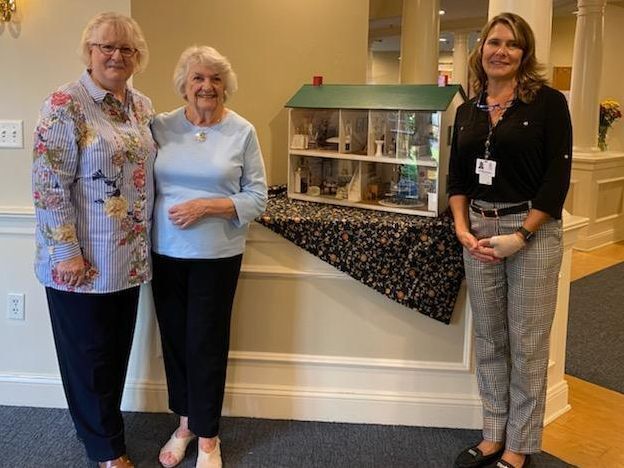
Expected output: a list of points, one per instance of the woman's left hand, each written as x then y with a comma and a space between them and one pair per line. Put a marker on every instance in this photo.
188, 213
503, 246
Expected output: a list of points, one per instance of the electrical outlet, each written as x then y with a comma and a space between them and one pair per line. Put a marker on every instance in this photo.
15, 306
11, 134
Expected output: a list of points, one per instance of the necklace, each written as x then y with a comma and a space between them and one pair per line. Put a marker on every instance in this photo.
496, 105
202, 135
492, 107
483, 105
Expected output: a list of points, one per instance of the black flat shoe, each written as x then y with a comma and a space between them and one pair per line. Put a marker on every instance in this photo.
472, 457
505, 464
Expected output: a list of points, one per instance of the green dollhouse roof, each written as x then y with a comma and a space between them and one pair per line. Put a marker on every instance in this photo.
403, 97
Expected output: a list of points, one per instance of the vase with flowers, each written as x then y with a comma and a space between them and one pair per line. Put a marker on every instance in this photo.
609, 113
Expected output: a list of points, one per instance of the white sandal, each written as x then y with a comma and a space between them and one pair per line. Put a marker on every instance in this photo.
176, 446
210, 459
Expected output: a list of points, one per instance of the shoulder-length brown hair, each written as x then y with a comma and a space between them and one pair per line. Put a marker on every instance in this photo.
530, 75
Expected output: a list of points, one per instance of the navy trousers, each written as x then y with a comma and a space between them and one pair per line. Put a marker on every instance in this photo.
93, 335
193, 301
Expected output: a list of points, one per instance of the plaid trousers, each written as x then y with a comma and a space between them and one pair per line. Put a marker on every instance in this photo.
513, 305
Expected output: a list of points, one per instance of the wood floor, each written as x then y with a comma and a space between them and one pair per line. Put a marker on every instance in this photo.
591, 434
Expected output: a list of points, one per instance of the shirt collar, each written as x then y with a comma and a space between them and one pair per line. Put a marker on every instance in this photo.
98, 94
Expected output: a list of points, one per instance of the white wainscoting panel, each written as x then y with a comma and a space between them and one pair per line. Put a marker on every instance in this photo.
598, 195
308, 343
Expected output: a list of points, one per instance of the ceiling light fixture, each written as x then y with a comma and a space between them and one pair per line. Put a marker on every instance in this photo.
7, 8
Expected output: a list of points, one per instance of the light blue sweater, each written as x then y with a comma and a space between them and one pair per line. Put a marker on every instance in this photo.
228, 164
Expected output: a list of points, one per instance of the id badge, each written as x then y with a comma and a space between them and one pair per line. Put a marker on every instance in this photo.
485, 169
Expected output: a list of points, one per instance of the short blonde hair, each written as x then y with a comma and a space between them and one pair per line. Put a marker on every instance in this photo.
530, 73
126, 29
206, 56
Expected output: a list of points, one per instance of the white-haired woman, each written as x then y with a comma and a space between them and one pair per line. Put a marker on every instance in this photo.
210, 184
93, 196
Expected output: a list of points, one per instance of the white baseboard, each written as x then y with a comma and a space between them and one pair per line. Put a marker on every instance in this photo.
276, 402
409, 409
587, 243
556, 402
289, 402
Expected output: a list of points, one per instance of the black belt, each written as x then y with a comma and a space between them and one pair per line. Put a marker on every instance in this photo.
497, 212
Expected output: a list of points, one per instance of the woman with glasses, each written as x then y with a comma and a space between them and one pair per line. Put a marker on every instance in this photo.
508, 177
93, 194
210, 185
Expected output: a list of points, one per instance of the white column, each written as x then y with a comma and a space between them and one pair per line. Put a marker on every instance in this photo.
460, 59
538, 13
586, 74
420, 41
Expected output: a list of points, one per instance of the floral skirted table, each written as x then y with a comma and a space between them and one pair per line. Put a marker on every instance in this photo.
413, 260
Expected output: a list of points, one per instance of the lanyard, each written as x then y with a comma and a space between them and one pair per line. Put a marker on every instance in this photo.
487, 108
488, 141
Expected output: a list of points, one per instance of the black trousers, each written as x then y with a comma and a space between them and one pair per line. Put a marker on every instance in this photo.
93, 335
193, 301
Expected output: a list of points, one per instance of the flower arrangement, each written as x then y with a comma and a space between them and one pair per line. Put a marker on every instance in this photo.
609, 113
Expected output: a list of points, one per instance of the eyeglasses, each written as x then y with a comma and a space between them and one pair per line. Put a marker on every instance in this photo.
109, 49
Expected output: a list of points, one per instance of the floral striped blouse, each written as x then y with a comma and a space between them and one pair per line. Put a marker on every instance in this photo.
93, 186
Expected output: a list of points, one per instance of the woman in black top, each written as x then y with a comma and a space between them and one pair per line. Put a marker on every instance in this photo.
508, 178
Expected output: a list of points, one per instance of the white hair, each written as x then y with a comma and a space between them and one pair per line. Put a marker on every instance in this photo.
206, 56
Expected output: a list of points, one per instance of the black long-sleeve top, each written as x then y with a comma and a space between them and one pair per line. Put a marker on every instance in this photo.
532, 147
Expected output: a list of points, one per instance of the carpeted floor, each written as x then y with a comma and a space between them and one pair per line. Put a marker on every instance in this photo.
45, 438
595, 348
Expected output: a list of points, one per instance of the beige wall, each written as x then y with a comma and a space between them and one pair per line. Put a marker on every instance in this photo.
396, 365
37, 54
613, 70
275, 46
385, 8
562, 42
384, 68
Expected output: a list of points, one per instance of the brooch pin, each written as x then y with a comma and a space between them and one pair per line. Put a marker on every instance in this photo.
200, 136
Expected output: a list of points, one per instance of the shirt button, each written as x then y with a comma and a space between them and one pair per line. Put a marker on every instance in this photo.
525, 123
566, 156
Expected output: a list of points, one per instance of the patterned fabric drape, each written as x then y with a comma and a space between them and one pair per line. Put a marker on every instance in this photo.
413, 260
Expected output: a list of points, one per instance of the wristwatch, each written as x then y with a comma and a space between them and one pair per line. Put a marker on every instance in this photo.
525, 233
